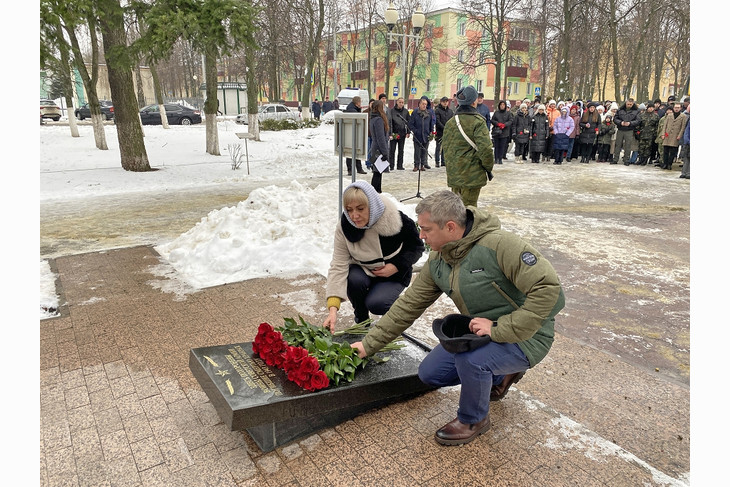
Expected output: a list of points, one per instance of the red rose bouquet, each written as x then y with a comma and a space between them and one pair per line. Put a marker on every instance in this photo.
309, 356
432, 135
395, 137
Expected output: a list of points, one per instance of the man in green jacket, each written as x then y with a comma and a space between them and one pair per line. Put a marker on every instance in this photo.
473, 159
508, 288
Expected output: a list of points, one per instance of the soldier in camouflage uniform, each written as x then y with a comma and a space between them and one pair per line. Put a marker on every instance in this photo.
647, 133
468, 167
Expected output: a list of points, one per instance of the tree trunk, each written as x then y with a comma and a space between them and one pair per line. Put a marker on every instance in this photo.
141, 102
312, 51
252, 94
158, 96
613, 36
67, 86
129, 130
89, 80
211, 103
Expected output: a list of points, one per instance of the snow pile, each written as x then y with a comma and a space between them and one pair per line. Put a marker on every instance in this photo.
49, 298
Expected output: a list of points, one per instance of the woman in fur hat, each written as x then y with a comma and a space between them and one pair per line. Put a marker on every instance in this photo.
375, 248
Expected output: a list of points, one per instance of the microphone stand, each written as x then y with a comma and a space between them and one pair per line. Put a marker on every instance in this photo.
418, 188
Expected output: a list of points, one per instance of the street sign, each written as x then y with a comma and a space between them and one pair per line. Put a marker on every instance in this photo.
395, 91
413, 91
537, 90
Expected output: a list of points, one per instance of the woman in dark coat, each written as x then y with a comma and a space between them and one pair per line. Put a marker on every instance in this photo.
501, 130
521, 133
589, 123
539, 132
421, 124
379, 131
605, 133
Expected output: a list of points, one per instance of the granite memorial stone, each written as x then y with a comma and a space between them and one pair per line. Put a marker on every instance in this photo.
248, 394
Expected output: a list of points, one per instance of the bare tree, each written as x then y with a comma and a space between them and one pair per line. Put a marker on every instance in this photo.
73, 16
489, 44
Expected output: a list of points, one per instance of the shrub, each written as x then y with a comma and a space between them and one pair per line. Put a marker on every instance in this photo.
288, 124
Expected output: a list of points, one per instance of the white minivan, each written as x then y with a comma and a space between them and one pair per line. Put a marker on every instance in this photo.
345, 97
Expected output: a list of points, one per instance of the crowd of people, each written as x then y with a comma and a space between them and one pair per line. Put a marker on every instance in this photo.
650, 133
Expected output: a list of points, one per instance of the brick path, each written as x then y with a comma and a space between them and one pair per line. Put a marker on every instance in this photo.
120, 407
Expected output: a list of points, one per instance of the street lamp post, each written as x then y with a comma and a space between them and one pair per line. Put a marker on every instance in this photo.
417, 21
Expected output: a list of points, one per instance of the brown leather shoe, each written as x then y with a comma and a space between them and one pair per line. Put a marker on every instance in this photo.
498, 392
458, 433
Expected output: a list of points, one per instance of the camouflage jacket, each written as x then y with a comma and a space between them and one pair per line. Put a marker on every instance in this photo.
467, 167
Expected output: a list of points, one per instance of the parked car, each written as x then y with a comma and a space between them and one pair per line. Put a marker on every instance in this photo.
49, 109
107, 109
176, 115
271, 110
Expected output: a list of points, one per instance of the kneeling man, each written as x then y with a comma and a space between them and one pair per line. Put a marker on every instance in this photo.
508, 288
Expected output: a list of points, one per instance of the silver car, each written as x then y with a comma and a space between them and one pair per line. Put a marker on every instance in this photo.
271, 110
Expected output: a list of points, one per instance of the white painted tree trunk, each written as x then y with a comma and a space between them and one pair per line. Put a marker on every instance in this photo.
72, 122
253, 126
97, 121
163, 116
211, 135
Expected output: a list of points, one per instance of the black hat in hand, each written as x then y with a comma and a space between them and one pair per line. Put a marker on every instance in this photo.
455, 336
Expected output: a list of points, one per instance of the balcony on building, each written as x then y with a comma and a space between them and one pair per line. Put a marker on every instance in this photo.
516, 72
518, 45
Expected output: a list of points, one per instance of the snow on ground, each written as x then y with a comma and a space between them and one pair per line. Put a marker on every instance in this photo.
49, 298
75, 168
230, 244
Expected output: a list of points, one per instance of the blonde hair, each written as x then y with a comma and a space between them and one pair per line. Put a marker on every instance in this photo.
355, 195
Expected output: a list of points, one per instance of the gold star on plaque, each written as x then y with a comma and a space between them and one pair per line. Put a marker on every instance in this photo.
222, 373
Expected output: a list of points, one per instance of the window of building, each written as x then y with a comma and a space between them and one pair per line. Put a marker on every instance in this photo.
479, 85
529, 89
458, 84
428, 57
460, 56
482, 57
375, 63
633, 91
428, 84
532, 62
664, 92
509, 88
516, 87
461, 28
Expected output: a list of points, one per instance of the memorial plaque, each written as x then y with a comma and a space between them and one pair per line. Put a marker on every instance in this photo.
248, 394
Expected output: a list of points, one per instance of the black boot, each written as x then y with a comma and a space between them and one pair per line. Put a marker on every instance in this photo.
349, 167
360, 170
